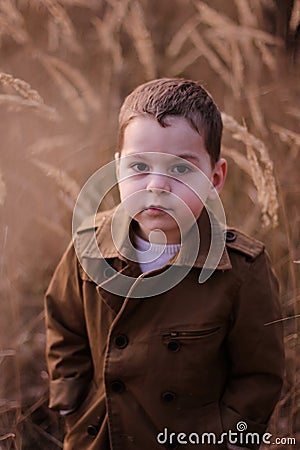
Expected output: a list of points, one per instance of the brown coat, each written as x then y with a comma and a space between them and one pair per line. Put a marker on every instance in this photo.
197, 358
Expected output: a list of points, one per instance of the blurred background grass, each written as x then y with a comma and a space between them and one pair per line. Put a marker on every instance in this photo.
66, 66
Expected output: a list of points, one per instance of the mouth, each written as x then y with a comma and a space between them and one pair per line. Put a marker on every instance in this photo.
156, 209
162, 208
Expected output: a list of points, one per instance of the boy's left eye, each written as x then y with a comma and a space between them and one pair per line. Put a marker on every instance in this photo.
181, 169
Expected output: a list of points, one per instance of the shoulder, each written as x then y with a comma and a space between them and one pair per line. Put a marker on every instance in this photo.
240, 243
91, 223
87, 234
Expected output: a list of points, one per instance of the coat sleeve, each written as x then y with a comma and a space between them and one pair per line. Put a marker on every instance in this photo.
255, 349
67, 349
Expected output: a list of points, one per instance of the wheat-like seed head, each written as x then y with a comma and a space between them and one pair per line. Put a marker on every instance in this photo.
12, 23
21, 87
212, 58
64, 23
141, 36
261, 167
65, 182
287, 136
67, 88
17, 103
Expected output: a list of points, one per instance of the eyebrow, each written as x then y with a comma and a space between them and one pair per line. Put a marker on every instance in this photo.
187, 156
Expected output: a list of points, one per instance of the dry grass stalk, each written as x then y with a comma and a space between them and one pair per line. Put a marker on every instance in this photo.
6, 436
295, 112
64, 23
246, 15
295, 17
77, 79
261, 169
64, 181
9, 9
108, 30
12, 23
255, 110
237, 69
224, 27
212, 58
141, 36
66, 86
223, 48
49, 143
21, 87
185, 61
239, 159
287, 136
90, 4
267, 57
109, 43
116, 16
3, 191
181, 36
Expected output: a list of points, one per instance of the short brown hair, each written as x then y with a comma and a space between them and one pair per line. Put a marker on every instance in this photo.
175, 97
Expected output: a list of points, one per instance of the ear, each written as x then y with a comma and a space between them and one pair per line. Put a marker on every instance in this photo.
218, 178
117, 161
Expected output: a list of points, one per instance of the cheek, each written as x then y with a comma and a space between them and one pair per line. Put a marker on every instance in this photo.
191, 199
126, 189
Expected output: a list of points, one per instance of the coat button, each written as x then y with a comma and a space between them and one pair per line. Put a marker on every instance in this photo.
173, 346
168, 396
230, 236
121, 341
109, 272
117, 386
92, 431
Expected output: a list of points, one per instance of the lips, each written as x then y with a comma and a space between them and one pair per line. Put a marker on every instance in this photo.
156, 210
158, 207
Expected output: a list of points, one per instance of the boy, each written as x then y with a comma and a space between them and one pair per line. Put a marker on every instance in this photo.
141, 366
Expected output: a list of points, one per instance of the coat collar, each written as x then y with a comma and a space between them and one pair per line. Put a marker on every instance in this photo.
114, 241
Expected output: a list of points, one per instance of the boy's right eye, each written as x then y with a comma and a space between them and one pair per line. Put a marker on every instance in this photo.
140, 167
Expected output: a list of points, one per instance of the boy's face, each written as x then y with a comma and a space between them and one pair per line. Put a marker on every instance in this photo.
163, 172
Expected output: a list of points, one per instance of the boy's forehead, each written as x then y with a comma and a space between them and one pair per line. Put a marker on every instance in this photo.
178, 138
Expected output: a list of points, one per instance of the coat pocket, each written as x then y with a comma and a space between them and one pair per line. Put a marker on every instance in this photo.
85, 404
190, 334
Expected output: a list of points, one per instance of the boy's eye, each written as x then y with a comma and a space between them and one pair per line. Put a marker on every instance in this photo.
140, 167
181, 169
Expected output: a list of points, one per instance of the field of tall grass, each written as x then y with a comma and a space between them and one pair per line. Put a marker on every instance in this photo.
65, 68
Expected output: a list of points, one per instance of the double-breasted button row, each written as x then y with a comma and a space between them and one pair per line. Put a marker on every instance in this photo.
92, 431
173, 346
121, 341
168, 396
230, 236
117, 386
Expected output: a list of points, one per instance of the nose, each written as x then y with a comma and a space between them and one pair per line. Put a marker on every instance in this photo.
158, 183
